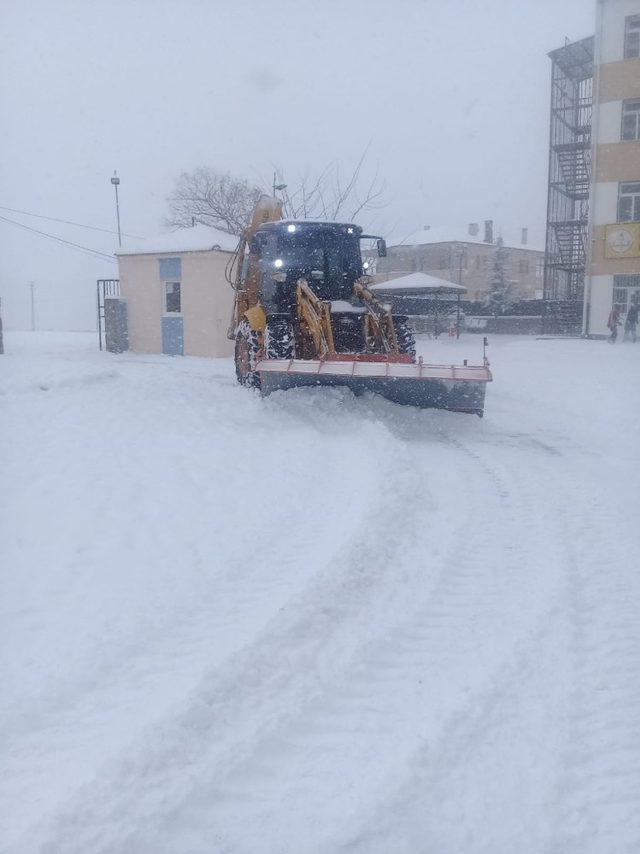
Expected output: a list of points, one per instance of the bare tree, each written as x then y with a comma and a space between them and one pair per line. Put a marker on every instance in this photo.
210, 198
328, 195
222, 201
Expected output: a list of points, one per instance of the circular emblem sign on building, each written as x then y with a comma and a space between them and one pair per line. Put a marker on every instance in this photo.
620, 240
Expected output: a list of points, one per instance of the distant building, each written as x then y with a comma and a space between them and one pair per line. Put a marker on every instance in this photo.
613, 269
177, 299
465, 257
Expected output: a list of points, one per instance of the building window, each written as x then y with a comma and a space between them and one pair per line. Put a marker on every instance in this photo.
523, 266
631, 120
632, 37
629, 202
172, 297
539, 268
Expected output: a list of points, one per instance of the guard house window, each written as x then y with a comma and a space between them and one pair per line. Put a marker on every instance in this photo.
170, 270
172, 297
632, 37
631, 120
629, 202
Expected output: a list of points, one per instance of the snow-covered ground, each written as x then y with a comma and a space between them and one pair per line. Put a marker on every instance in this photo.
314, 623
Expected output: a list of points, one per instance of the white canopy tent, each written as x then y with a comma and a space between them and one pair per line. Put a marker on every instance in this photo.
421, 285
417, 284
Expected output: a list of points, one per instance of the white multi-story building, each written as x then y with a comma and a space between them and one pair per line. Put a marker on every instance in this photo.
613, 261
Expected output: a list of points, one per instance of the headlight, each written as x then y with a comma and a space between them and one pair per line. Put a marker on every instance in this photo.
278, 263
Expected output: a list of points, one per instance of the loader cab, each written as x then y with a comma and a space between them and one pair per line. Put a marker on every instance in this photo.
326, 254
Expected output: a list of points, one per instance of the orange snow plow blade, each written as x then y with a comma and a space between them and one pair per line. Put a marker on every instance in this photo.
458, 388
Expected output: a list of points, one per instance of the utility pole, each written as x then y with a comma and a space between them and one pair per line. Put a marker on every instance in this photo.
115, 181
33, 307
461, 258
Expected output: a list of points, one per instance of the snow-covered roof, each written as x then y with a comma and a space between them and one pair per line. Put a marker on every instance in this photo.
460, 234
200, 238
418, 283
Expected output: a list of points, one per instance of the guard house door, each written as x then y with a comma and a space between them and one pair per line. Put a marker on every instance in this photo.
172, 321
172, 336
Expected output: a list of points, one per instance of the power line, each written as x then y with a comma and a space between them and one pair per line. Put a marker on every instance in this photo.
85, 249
68, 222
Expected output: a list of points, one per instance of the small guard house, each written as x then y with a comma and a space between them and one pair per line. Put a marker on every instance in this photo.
175, 294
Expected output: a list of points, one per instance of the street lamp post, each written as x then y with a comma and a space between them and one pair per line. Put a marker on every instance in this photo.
461, 258
115, 181
277, 186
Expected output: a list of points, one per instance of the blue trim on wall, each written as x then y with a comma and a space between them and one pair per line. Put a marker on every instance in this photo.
170, 268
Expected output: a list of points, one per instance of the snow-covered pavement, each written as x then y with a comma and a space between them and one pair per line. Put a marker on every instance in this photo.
314, 623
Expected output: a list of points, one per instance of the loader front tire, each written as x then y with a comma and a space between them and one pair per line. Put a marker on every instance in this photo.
247, 354
279, 339
405, 337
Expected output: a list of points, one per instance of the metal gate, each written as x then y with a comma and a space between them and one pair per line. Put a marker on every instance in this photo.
105, 288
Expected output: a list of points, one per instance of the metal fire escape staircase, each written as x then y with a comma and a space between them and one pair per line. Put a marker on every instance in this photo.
572, 179
569, 181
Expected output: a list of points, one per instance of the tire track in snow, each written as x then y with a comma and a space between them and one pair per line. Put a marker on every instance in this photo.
599, 793
595, 808
476, 787
442, 644
454, 797
397, 692
446, 639
282, 667
110, 704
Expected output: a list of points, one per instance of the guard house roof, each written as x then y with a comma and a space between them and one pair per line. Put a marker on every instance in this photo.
417, 284
200, 238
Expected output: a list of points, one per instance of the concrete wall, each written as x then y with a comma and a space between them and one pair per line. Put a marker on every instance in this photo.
619, 80
207, 302
601, 302
618, 161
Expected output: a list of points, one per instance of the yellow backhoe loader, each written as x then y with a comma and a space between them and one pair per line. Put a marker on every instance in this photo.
305, 316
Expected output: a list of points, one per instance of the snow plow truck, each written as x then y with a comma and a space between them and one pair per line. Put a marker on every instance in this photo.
305, 316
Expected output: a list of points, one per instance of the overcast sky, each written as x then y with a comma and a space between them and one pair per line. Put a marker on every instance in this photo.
452, 98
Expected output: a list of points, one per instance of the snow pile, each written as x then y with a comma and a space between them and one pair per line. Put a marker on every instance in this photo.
317, 623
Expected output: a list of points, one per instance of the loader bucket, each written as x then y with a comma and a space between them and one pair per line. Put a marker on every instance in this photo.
453, 387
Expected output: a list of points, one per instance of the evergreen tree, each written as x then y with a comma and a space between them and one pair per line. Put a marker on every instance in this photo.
499, 297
